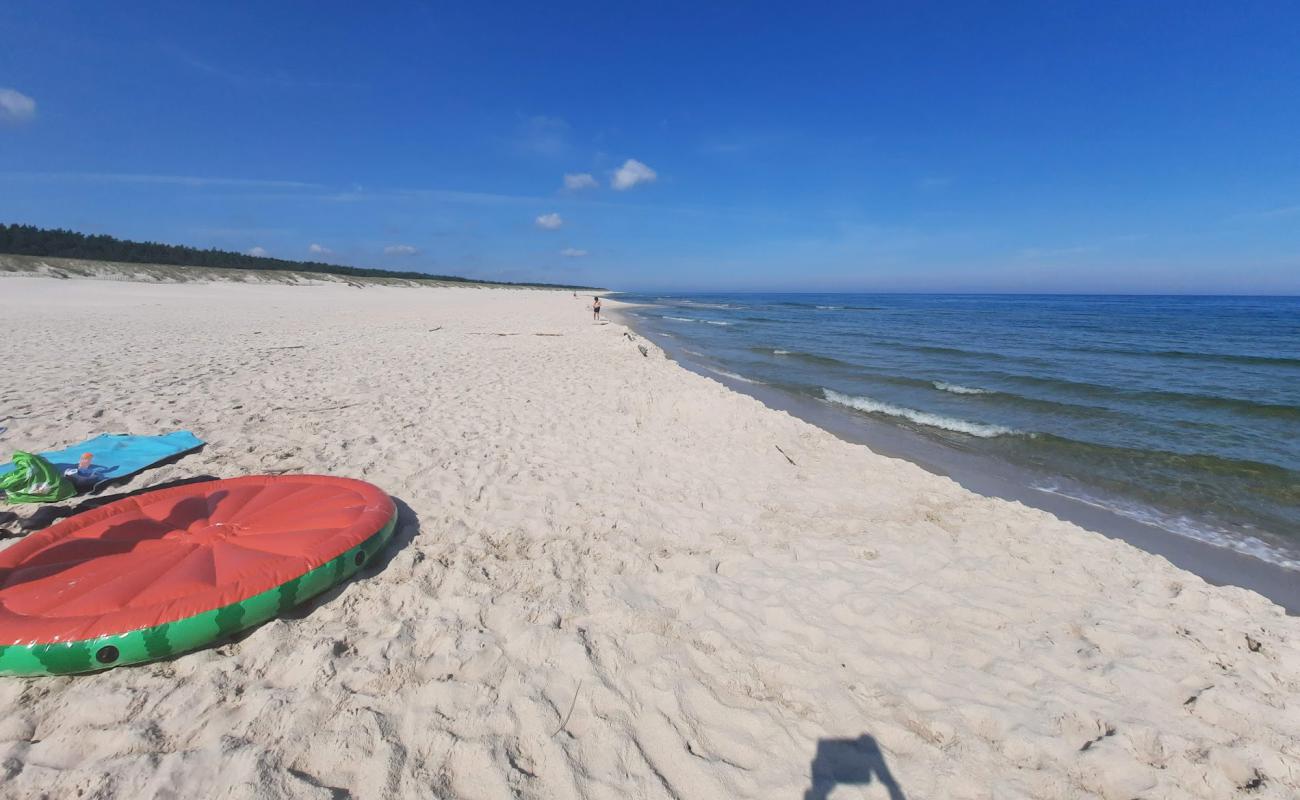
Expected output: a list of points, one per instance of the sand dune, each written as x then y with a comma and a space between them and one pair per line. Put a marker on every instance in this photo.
609, 582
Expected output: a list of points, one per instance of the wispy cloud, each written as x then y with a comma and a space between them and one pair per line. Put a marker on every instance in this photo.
631, 173
471, 198
543, 135
238, 233
172, 180
573, 252
289, 189
550, 221
260, 252
319, 250
741, 144
279, 79
1056, 252
16, 108
400, 250
1273, 213
581, 180
1105, 244
450, 196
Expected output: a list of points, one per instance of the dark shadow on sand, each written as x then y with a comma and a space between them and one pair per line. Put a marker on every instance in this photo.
850, 761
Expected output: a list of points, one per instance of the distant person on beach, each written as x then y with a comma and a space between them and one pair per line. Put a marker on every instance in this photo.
595, 308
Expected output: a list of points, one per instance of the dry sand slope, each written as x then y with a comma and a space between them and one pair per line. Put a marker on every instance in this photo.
608, 582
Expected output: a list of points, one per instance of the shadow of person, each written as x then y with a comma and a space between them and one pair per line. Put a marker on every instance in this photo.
850, 761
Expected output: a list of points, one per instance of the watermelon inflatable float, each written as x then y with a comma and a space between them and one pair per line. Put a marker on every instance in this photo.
169, 571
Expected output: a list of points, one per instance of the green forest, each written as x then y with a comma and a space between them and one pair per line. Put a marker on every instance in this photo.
29, 240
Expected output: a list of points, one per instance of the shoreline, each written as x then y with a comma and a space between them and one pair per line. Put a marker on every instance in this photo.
611, 577
1218, 565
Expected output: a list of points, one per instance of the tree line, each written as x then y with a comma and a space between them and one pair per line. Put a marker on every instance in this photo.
29, 240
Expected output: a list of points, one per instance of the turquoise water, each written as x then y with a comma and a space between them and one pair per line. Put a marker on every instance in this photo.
1180, 412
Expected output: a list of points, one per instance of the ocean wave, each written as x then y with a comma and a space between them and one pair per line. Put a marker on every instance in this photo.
698, 304
1240, 405
1224, 358
956, 388
1180, 525
732, 375
983, 356
790, 304
692, 319
799, 355
982, 430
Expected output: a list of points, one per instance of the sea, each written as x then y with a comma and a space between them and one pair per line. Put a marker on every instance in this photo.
1176, 412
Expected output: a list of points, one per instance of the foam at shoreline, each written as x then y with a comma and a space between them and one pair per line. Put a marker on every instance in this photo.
919, 417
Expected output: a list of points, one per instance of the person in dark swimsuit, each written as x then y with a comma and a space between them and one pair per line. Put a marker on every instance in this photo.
595, 308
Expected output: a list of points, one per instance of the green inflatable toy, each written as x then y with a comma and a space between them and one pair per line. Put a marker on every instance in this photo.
35, 480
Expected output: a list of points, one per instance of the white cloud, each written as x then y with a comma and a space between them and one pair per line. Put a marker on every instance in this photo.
319, 250
260, 252
581, 180
400, 250
631, 173
573, 252
16, 107
550, 221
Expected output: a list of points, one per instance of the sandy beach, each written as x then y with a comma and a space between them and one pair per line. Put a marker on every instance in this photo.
611, 578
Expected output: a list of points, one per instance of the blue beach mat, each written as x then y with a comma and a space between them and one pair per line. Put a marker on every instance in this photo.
118, 455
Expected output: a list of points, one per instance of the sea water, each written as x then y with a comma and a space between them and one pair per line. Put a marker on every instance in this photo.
1177, 412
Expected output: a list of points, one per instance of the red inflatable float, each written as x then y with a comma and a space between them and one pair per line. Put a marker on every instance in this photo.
165, 572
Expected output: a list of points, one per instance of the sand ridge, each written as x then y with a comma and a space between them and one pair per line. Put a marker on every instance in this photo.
608, 581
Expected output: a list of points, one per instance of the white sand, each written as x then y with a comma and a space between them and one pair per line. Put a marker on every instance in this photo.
609, 583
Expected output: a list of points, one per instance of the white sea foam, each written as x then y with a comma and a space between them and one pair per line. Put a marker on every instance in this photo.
919, 417
692, 319
705, 305
1180, 525
732, 375
831, 308
780, 352
959, 389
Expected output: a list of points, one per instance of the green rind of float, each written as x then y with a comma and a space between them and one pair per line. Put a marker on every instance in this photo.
190, 633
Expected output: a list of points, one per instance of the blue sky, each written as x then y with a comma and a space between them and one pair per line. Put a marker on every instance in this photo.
1066, 146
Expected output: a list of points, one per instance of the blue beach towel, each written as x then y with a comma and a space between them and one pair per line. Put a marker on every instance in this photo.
119, 455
